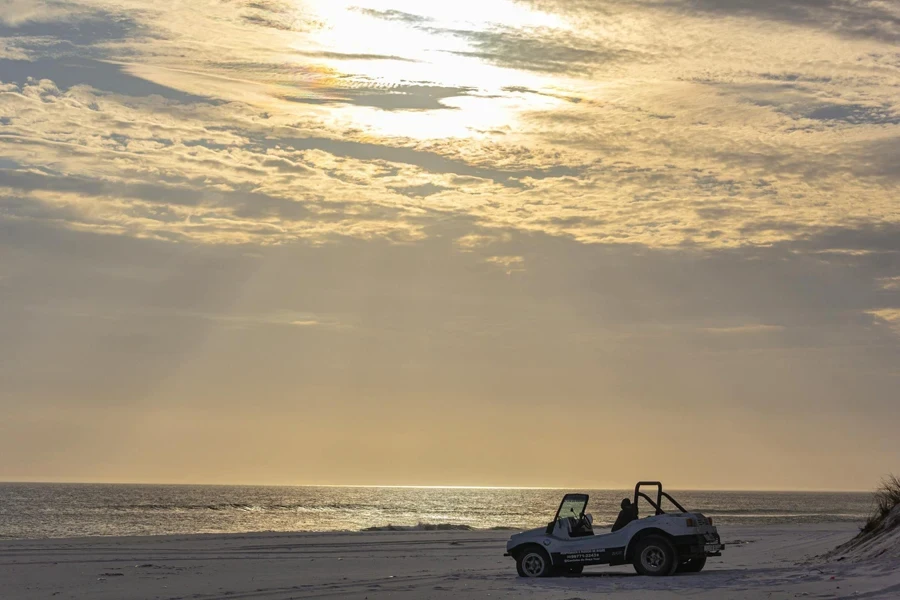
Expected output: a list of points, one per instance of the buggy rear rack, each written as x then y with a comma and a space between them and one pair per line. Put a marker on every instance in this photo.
660, 494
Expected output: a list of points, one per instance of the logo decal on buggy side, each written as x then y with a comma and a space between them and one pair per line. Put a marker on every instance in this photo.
578, 557
546, 542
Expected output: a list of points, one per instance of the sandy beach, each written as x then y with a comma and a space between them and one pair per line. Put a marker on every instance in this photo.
760, 562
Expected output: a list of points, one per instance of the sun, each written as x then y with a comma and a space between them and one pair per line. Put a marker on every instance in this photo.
405, 48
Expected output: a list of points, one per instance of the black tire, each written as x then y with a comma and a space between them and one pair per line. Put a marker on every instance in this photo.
654, 555
692, 565
533, 561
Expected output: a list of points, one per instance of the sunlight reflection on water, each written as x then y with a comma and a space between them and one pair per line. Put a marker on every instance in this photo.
66, 510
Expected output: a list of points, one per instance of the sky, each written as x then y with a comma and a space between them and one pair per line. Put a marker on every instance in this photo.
504, 242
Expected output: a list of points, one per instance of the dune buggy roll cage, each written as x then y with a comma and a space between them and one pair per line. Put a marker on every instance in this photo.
660, 494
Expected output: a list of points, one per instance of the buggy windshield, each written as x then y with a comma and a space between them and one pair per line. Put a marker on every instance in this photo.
573, 505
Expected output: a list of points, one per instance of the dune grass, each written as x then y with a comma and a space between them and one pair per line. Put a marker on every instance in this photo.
886, 497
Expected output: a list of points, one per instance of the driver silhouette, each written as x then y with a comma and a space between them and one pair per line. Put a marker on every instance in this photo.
626, 515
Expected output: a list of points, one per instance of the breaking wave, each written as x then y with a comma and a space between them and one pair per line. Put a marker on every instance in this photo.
440, 527
423, 527
226, 506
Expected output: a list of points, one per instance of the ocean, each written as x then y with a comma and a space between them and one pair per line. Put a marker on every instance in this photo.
30, 510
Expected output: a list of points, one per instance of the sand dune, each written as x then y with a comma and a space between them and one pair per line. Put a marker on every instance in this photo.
763, 562
882, 544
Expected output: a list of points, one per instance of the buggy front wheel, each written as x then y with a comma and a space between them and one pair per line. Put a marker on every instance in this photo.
534, 562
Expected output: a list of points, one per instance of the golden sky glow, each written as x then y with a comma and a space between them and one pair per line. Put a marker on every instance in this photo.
397, 241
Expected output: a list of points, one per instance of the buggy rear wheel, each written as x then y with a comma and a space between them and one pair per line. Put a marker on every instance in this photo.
533, 561
655, 556
692, 565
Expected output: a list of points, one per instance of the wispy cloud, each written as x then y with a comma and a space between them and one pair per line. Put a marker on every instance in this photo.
889, 317
750, 329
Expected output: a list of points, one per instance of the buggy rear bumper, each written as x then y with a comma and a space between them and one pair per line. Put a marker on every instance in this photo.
699, 545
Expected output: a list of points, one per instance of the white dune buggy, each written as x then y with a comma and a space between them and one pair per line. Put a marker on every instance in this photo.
660, 544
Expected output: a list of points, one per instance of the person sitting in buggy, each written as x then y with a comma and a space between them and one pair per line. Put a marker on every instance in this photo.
626, 515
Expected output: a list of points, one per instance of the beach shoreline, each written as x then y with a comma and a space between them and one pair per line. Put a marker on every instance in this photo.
759, 562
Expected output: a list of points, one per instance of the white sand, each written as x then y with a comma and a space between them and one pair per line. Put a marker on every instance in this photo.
763, 562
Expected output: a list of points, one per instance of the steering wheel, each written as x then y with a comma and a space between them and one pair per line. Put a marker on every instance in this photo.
580, 524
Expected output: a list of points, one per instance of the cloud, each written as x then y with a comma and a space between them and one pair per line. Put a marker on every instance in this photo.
306, 323
807, 101
352, 56
860, 18
855, 113
66, 22
394, 15
275, 14
890, 283
432, 162
313, 135
752, 329
889, 317
510, 264
53, 29
66, 73
422, 191
543, 51
391, 98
